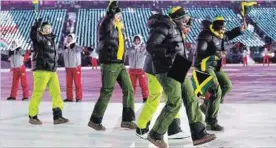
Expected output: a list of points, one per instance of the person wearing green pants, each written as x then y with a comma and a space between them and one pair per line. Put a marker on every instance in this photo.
44, 72
165, 44
210, 45
111, 55
150, 107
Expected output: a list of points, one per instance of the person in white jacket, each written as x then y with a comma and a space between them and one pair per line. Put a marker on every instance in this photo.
16, 56
72, 62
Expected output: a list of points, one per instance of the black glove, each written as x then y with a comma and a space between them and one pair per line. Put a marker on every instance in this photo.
111, 9
38, 22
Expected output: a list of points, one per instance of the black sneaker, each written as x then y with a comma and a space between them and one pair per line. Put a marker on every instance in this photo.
78, 100
11, 98
25, 98
67, 100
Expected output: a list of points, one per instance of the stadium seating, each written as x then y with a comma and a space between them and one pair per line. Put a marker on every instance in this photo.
135, 21
248, 38
19, 23
265, 18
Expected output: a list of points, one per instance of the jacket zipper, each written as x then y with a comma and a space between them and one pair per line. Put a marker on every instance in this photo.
55, 54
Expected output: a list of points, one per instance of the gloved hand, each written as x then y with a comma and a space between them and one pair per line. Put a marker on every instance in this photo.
38, 22
111, 9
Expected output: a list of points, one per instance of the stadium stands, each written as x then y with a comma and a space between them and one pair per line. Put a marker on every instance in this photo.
265, 18
136, 23
248, 38
17, 24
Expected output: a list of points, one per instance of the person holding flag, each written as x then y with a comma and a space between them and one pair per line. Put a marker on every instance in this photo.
210, 44
45, 57
111, 48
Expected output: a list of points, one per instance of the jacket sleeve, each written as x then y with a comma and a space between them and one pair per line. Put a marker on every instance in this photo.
229, 35
11, 53
144, 50
154, 44
202, 43
106, 24
78, 49
34, 35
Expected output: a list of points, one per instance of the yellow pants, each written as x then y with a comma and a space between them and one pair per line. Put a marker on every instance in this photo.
43, 79
152, 103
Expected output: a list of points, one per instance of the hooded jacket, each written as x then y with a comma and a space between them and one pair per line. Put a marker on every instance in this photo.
165, 41
137, 54
208, 44
16, 55
45, 54
72, 53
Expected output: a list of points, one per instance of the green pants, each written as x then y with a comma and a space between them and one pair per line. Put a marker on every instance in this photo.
110, 74
172, 89
191, 102
222, 87
42, 80
152, 103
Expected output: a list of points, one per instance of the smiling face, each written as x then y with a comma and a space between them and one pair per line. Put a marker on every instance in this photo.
118, 17
47, 29
184, 24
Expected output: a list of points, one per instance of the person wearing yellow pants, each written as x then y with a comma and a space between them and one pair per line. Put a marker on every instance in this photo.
44, 72
150, 107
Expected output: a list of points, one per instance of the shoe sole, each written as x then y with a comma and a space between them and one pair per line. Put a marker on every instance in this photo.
35, 123
60, 122
128, 126
210, 129
205, 141
179, 137
92, 126
140, 136
153, 142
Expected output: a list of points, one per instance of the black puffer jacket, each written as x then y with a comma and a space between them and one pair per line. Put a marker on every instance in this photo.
108, 42
208, 44
45, 55
165, 41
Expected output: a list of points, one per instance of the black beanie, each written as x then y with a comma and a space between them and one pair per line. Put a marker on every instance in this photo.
118, 10
177, 12
44, 24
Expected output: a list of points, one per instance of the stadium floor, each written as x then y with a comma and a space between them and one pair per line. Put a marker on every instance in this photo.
248, 115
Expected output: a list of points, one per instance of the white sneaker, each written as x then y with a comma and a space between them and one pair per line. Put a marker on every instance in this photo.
180, 135
143, 136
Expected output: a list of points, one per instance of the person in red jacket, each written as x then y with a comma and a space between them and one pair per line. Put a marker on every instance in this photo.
16, 55
72, 62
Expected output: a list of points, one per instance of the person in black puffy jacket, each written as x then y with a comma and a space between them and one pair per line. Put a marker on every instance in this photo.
210, 47
166, 48
44, 72
111, 56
